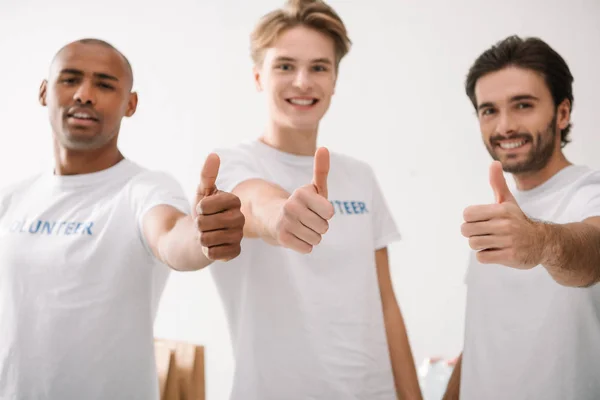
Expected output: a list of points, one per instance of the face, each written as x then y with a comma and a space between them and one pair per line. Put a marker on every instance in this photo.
298, 77
519, 121
87, 93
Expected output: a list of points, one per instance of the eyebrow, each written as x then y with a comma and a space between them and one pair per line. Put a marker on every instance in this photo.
318, 60
100, 75
519, 97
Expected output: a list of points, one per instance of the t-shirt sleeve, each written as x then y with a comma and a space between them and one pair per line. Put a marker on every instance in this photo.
589, 197
385, 230
154, 188
237, 165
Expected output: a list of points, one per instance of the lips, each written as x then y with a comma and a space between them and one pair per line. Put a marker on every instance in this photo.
303, 101
82, 114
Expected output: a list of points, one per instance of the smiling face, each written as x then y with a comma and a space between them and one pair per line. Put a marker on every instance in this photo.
298, 76
519, 121
88, 92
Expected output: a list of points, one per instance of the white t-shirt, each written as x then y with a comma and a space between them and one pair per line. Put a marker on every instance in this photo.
526, 336
79, 286
309, 326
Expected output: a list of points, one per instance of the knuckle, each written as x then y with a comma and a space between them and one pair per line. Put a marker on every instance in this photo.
204, 239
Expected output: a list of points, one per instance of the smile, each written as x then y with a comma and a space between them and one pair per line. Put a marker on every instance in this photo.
304, 102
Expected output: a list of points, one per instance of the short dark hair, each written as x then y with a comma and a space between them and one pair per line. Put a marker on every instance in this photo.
530, 53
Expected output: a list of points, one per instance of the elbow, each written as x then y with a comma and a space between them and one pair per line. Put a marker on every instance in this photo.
575, 280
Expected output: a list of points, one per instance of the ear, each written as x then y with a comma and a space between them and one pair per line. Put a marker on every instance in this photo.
42, 93
131, 104
563, 114
257, 82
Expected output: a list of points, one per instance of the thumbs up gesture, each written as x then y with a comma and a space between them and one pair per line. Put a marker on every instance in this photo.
218, 217
501, 233
305, 214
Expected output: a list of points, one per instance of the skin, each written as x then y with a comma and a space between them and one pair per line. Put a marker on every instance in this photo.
94, 81
515, 104
301, 65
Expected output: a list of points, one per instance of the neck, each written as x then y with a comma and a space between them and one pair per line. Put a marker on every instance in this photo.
290, 140
76, 162
531, 180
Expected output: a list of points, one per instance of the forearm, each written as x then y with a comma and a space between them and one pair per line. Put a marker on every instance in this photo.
262, 203
572, 253
179, 248
453, 388
403, 364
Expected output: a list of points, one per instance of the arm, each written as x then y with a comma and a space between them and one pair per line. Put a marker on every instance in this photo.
296, 221
173, 238
212, 232
405, 374
571, 252
262, 203
453, 388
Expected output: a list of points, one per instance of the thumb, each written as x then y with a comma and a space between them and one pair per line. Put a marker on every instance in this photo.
498, 183
208, 178
321, 170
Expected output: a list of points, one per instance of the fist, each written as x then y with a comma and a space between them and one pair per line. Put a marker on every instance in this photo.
218, 217
304, 217
501, 233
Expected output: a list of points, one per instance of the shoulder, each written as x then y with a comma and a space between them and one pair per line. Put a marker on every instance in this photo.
16, 188
586, 180
141, 176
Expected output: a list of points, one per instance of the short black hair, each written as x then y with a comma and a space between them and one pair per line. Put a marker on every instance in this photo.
530, 53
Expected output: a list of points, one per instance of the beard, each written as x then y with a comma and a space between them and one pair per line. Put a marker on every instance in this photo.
543, 146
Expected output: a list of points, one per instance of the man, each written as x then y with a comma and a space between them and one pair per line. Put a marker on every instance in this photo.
84, 250
310, 302
533, 304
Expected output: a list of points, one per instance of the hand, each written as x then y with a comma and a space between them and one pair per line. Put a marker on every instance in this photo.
501, 233
305, 214
218, 217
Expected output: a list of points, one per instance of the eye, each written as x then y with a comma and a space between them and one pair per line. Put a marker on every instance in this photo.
105, 86
522, 106
487, 111
320, 68
285, 67
68, 81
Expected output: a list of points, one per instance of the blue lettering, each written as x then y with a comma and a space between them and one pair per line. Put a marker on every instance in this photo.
347, 207
355, 207
63, 223
37, 227
339, 204
363, 207
69, 228
47, 227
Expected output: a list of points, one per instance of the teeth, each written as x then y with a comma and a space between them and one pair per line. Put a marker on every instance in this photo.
302, 102
512, 145
82, 116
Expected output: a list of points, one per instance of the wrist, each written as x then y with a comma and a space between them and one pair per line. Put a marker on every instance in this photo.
543, 242
273, 219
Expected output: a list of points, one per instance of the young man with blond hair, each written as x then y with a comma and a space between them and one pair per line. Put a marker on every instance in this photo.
310, 302
532, 326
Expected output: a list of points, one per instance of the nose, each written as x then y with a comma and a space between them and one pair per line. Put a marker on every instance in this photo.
302, 80
506, 124
85, 94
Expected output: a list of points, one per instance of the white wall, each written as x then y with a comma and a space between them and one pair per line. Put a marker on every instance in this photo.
399, 105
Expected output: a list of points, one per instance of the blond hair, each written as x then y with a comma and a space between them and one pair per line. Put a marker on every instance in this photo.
314, 14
